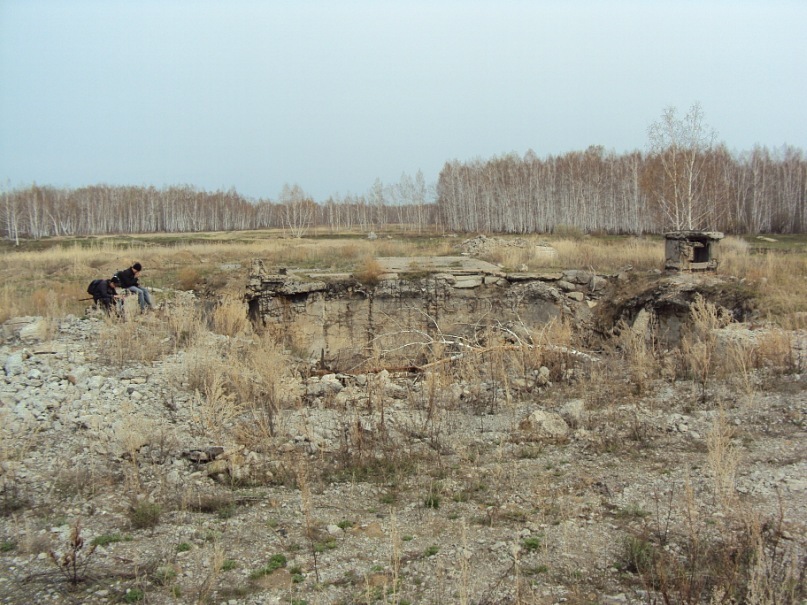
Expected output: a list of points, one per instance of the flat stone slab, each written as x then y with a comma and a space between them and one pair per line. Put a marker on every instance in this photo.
455, 265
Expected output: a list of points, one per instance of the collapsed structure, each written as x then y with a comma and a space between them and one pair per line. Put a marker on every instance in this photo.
436, 302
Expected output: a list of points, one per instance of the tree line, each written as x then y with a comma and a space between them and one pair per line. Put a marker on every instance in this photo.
594, 190
44, 211
684, 181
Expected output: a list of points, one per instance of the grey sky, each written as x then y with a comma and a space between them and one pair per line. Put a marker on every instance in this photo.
334, 94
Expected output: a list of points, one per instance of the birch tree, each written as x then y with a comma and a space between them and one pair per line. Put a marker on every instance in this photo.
680, 145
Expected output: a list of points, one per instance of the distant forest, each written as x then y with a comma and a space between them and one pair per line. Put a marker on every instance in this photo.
673, 187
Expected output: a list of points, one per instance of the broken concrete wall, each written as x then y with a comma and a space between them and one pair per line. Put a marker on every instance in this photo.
339, 318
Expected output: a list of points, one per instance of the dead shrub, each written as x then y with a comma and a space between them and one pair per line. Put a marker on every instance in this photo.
184, 322
639, 353
698, 349
775, 351
369, 271
723, 459
230, 317
188, 277
137, 340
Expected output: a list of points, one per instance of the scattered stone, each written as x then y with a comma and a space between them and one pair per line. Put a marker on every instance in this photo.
544, 424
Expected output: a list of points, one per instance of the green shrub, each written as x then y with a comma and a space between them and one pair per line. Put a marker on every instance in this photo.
145, 515
531, 544
107, 539
229, 565
275, 562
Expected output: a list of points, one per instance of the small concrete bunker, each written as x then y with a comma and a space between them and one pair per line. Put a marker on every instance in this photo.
691, 250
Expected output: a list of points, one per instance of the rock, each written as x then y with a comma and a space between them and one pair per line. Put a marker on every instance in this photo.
473, 281
13, 365
575, 276
641, 322
34, 331
578, 296
545, 425
543, 376
572, 412
597, 283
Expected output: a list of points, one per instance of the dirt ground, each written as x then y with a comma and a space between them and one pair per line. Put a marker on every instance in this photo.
576, 483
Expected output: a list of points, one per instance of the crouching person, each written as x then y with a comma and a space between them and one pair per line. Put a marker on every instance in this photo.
105, 294
129, 280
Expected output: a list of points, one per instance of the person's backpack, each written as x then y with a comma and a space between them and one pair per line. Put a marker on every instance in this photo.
95, 287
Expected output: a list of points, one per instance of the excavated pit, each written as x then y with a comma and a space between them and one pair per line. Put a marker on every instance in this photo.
418, 304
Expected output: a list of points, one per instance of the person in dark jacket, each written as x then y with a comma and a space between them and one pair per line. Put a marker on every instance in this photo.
129, 280
105, 293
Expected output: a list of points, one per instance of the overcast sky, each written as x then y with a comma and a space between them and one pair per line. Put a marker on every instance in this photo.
332, 95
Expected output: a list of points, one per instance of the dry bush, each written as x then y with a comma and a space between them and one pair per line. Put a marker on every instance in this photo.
184, 321
369, 271
741, 559
741, 357
56, 300
698, 353
215, 409
240, 385
230, 317
781, 277
723, 459
141, 338
774, 350
733, 247
639, 353
188, 277
201, 365
9, 303
553, 346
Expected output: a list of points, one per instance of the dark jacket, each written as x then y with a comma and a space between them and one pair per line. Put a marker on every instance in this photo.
127, 278
105, 292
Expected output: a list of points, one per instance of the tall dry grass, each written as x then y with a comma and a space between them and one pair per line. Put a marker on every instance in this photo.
779, 276
605, 256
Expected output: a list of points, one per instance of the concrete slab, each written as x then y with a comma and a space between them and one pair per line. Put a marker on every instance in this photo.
455, 265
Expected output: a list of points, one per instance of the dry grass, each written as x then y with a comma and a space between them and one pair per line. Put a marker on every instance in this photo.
242, 381
369, 271
723, 459
781, 278
230, 317
606, 256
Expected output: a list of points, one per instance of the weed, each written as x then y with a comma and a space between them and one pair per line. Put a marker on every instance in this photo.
275, 562
183, 547
531, 544
145, 515
432, 501
431, 551
107, 539
632, 511
324, 546
134, 595
73, 561
164, 575
226, 512
229, 565
637, 555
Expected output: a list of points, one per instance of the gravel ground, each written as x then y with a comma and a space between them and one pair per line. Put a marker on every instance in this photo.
364, 494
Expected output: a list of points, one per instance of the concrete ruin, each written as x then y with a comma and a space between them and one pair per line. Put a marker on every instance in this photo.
691, 250
417, 302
